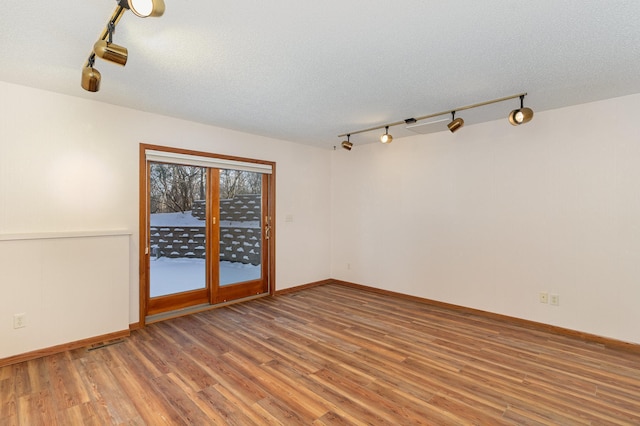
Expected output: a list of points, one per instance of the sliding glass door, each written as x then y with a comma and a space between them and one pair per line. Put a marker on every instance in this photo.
207, 226
242, 232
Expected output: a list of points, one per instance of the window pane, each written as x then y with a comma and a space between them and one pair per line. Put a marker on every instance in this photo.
240, 226
177, 228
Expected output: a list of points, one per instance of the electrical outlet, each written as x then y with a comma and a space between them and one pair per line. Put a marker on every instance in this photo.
554, 299
19, 320
544, 297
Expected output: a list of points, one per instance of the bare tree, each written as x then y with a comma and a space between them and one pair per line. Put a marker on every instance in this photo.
175, 187
239, 182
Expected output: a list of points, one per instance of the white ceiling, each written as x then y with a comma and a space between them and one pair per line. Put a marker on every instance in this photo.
306, 71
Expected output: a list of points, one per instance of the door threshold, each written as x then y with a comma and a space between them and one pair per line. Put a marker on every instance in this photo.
150, 319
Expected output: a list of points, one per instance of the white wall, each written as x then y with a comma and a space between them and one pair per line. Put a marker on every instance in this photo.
69, 164
492, 215
70, 287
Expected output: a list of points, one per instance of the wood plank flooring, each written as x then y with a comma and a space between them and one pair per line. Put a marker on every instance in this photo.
328, 355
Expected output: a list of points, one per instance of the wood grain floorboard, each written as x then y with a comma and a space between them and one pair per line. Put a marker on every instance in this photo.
329, 355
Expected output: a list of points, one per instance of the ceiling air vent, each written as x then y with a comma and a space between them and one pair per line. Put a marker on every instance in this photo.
429, 126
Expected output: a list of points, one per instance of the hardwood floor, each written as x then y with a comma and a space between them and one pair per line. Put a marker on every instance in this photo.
328, 355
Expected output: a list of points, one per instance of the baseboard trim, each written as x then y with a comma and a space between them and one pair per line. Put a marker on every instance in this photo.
593, 338
64, 347
303, 287
533, 325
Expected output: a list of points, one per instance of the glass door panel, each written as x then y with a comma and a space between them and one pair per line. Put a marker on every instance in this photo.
241, 208
240, 227
177, 230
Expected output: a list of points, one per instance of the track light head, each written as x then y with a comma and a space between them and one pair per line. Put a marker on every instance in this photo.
111, 52
144, 8
456, 123
386, 138
522, 115
90, 79
347, 144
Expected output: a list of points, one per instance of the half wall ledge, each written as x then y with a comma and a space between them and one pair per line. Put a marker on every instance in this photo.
56, 235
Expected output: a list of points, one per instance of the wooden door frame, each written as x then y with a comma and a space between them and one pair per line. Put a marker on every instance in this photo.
143, 212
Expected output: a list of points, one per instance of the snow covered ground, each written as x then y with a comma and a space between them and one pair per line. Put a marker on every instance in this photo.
170, 276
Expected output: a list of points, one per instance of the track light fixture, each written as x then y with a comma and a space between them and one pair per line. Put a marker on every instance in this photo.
144, 8
522, 115
347, 144
456, 123
108, 51
104, 47
90, 77
516, 117
111, 52
386, 138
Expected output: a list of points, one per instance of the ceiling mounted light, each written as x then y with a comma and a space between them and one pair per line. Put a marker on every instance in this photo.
386, 138
347, 144
108, 51
456, 123
144, 8
111, 52
104, 47
90, 78
517, 117
522, 115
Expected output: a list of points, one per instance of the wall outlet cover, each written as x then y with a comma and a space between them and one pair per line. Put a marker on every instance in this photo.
544, 297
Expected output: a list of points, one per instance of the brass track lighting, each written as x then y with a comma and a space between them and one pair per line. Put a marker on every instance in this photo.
108, 51
104, 47
522, 115
144, 8
347, 144
90, 78
111, 52
386, 138
456, 123
517, 117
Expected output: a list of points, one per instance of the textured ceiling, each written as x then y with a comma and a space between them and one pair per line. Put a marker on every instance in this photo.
307, 71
